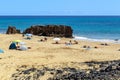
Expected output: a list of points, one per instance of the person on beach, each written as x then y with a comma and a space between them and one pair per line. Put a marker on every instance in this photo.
23, 35
42, 40
45, 39
28, 37
105, 44
22, 47
95, 47
56, 42
70, 42
17, 45
75, 42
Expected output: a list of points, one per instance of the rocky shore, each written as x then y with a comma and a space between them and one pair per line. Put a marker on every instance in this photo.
50, 30
45, 30
108, 70
12, 30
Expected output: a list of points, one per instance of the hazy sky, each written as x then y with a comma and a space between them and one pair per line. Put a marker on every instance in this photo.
60, 7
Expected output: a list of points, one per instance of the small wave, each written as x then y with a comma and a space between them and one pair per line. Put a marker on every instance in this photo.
96, 40
80, 38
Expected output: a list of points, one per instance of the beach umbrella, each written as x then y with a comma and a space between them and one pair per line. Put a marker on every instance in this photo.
16, 41
56, 39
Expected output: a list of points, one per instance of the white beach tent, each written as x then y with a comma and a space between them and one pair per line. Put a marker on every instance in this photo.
56, 40
23, 48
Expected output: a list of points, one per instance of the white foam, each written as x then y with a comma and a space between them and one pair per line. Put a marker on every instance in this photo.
95, 40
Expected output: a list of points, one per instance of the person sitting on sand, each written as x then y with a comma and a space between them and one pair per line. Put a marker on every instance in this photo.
105, 44
70, 42
95, 47
23, 35
41, 40
84, 46
88, 48
23, 47
45, 39
28, 37
17, 45
56, 42
75, 42
66, 43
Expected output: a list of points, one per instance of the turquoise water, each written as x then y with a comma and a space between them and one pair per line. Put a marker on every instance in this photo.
93, 27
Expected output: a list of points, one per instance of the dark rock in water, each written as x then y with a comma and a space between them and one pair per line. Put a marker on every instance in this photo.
116, 39
50, 30
12, 30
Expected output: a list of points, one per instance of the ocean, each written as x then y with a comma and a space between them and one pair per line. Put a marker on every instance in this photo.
94, 28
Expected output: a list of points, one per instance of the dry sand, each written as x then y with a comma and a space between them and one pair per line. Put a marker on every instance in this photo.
52, 55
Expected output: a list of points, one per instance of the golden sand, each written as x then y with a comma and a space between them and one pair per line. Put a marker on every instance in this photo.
52, 55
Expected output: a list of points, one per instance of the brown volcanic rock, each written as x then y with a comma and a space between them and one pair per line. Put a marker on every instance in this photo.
50, 30
12, 30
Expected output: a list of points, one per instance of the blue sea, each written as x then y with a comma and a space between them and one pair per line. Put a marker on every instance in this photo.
84, 27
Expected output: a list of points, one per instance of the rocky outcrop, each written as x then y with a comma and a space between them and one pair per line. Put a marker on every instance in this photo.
50, 30
12, 30
108, 70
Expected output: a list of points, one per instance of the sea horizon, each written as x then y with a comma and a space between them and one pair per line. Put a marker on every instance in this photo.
62, 15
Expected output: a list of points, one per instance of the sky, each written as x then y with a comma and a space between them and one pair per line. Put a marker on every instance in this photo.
60, 7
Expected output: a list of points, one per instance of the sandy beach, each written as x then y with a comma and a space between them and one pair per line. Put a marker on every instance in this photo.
52, 55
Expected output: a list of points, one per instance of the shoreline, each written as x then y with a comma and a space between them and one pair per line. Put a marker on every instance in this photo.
88, 39
115, 41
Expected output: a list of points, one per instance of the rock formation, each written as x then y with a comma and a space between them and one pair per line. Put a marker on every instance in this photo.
12, 30
50, 30
106, 70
